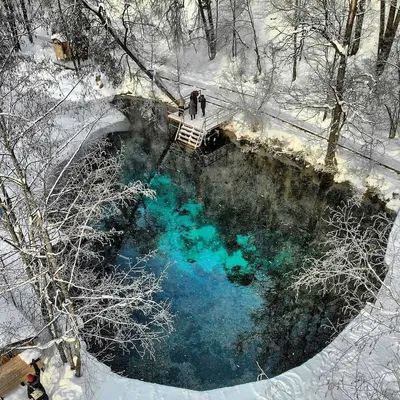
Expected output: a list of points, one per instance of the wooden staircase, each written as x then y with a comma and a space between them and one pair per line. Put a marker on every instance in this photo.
189, 135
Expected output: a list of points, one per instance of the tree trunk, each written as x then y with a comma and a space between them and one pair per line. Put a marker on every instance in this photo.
234, 44
394, 112
338, 116
358, 28
26, 20
216, 18
213, 38
109, 29
12, 23
331, 68
295, 44
78, 359
208, 25
387, 34
393, 127
382, 20
255, 39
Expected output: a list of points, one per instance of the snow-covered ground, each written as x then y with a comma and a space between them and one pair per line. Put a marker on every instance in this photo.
362, 361
358, 354
14, 326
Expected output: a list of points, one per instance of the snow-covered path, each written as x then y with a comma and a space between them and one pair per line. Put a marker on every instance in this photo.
372, 163
223, 96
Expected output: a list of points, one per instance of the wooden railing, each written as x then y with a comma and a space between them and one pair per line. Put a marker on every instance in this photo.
216, 119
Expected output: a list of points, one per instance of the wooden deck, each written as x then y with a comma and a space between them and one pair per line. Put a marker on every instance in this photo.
191, 132
13, 373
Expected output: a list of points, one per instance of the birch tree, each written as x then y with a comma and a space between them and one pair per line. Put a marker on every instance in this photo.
52, 220
337, 25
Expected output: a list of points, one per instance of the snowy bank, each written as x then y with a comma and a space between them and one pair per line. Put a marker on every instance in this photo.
361, 360
359, 354
14, 327
80, 123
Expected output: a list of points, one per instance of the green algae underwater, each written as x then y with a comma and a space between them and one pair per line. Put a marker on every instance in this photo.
232, 233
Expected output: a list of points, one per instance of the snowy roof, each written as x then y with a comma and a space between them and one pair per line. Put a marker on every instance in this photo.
58, 37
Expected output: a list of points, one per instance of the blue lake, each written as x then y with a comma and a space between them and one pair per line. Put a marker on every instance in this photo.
232, 232
210, 311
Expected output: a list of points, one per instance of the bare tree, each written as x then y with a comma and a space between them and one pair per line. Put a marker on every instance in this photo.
337, 25
247, 92
52, 220
352, 265
388, 27
206, 14
359, 266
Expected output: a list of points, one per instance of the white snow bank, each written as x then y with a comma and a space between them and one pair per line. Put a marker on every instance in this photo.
365, 352
30, 354
76, 123
14, 327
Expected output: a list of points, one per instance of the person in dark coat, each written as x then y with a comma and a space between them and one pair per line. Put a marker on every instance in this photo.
35, 389
181, 106
202, 100
192, 109
193, 97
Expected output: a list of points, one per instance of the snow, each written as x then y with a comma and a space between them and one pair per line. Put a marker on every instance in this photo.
77, 122
365, 352
30, 354
14, 327
58, 37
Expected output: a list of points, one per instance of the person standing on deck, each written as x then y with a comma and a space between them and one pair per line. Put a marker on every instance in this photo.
202, 100
192, 109
181, 106
36, 391
193, 96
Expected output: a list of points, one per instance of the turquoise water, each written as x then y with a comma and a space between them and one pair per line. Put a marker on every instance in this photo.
232, 233
210, 310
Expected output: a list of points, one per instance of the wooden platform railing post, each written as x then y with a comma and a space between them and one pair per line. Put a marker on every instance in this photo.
177, 131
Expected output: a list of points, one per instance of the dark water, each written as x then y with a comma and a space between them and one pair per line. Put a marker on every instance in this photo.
233, 232
210, 310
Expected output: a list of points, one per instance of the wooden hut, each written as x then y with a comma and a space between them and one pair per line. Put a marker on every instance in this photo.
16, 335
62, 47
